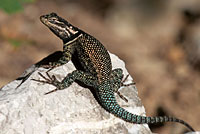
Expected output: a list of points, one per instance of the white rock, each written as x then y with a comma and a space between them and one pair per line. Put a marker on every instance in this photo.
26, 110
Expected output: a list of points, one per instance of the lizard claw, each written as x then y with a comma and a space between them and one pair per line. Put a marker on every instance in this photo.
126, 85
50, 80
51, 91
121, 96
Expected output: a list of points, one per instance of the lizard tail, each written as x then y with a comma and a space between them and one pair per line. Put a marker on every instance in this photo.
109, 103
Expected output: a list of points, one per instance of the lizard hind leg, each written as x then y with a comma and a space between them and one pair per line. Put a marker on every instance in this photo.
117, 80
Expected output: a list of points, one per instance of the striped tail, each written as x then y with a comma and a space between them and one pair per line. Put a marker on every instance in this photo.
108, 102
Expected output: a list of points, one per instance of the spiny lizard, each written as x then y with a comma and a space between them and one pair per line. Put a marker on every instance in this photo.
95, 69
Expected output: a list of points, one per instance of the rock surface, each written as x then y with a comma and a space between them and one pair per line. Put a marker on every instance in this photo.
26, 110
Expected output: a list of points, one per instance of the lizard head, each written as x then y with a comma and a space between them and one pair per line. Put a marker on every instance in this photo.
59, 26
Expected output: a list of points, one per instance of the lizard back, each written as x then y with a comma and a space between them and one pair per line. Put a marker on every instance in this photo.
90, 52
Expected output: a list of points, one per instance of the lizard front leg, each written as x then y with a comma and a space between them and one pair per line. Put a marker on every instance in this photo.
66, 57
81, 76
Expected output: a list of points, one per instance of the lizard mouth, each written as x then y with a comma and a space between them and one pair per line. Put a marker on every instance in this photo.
48, 18
43, 19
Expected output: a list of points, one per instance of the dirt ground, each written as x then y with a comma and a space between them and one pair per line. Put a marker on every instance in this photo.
159, 42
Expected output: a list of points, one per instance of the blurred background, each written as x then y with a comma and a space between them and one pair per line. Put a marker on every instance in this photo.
159, 41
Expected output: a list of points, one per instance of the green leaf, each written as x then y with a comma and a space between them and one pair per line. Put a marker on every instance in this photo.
27, 1
15, 42
12, 6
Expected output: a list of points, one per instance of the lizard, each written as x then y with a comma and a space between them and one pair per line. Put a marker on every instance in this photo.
95, 71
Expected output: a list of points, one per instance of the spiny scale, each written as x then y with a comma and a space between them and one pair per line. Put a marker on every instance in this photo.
96, 70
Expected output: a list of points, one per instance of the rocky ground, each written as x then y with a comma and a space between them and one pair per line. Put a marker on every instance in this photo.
159, 42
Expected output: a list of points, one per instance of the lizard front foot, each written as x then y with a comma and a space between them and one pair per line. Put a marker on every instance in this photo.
50, 80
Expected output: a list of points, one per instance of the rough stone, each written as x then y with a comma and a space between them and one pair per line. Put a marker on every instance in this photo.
26, 110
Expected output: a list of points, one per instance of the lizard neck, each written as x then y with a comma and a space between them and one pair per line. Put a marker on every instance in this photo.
72, 38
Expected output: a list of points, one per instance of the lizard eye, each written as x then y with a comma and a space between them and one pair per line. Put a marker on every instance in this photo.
53, 19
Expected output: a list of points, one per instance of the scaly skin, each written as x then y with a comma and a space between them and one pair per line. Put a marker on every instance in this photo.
95, 69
